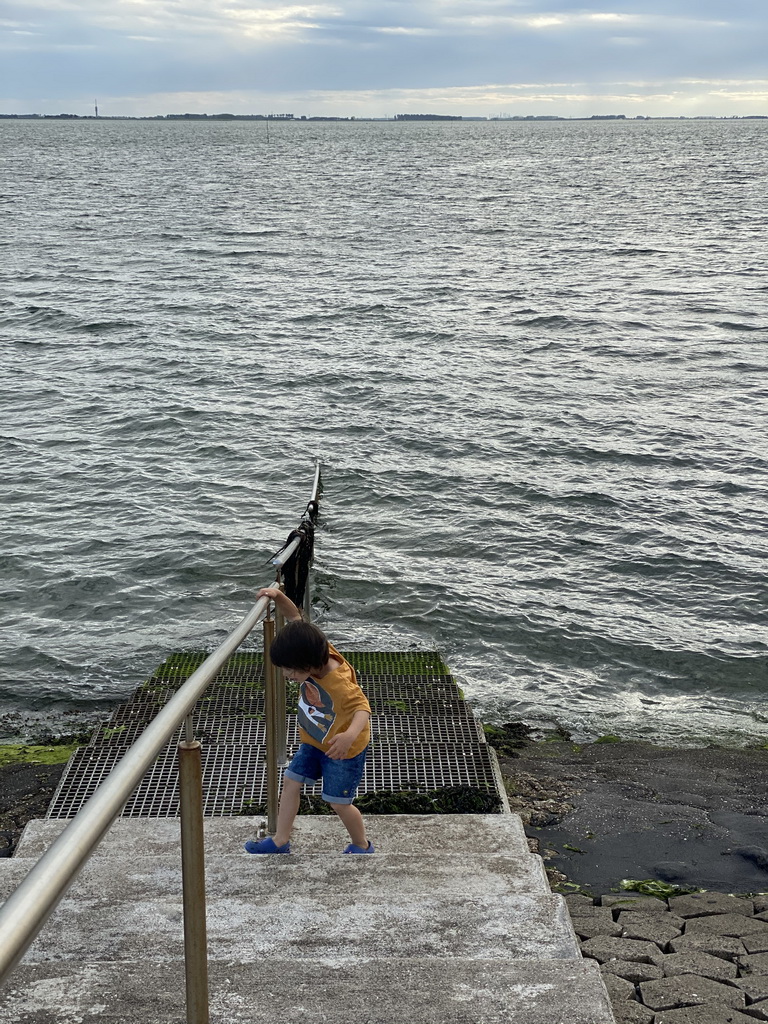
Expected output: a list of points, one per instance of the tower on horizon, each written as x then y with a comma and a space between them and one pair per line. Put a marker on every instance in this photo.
96, 108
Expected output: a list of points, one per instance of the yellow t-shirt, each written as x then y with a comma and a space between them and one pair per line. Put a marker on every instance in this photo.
327, 706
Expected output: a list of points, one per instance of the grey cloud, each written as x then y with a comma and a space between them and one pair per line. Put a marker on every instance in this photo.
91, 47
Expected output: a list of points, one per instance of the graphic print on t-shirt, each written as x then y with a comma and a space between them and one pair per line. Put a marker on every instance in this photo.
316, 714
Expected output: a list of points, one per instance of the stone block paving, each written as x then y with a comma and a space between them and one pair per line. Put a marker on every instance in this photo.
696, 959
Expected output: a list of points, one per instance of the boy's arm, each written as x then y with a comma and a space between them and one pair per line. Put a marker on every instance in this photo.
339, 746
287, 608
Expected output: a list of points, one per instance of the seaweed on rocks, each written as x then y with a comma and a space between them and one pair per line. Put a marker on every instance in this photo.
448, 800
509, 738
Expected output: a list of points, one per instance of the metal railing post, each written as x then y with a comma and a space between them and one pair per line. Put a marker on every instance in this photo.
280, 702
193, 877
270, 717
307, 604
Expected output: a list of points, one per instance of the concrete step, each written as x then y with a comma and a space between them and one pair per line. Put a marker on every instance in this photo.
391, 833
396, 991
454, 914
315, 925
145, 877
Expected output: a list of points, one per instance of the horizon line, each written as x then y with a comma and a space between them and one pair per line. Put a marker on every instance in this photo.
393, 118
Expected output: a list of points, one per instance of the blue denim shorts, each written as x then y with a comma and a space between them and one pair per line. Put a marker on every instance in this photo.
340, 778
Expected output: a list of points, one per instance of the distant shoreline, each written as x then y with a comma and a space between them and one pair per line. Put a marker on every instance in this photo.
400, 118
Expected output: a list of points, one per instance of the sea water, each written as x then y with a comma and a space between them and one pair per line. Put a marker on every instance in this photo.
531, 357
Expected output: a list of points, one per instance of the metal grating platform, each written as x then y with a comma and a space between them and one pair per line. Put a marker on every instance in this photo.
248, 702
424, 735
403, 728
248, 666
398, 662
363, 661
252, 706
236, 674
214, 730
235, 776
410, 686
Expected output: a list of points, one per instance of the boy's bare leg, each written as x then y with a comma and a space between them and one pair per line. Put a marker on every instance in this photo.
353, 820
287, 810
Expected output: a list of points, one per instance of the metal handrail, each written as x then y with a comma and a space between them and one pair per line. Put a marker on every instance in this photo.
30, 905
27, 909
284, 554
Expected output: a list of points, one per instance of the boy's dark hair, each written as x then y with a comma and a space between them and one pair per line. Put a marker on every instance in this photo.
300, 645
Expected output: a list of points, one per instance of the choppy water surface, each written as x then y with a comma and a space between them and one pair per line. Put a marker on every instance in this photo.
532, 358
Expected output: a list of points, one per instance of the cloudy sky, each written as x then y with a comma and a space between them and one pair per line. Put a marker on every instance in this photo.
381, 57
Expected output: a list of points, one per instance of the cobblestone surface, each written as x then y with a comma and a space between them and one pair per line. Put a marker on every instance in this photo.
697, 959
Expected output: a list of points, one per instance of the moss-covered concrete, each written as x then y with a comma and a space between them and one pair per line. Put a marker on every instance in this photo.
21, 753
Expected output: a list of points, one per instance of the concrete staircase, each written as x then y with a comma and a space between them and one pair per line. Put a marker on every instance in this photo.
450, 922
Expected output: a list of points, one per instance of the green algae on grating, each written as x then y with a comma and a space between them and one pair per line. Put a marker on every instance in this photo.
397, 662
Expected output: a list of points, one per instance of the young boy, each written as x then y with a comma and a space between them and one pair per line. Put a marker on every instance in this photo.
334, 728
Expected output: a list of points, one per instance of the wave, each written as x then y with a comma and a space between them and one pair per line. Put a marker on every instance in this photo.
541, 421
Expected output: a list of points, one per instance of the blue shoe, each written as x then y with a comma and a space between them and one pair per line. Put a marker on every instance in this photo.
266, 846
359, 849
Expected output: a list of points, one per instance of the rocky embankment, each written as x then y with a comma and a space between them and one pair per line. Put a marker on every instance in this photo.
695, 819
695, 959
603, 812
25, 792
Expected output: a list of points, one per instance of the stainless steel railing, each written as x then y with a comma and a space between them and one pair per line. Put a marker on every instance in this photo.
30, 905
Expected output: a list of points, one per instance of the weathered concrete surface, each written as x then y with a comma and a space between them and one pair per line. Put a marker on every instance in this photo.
703, 964
709, 974
658, 928
590, 927
756, 942
630, 902
603, 948
718, 945
619, 989
390, 833
629, 1012
759, 1010
395, 991
316, 925
453, 917
462, 927
711, 1013
633, 971
689, 990
735, 925
755, 986
257, 877
700, 904
755, 963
